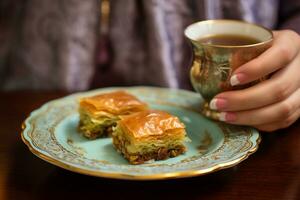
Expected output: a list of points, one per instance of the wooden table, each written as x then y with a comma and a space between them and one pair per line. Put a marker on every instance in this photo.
273, 172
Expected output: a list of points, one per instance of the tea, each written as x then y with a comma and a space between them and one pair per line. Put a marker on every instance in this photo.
228, 40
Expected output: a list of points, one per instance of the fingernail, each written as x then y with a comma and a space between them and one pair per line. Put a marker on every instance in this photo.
236, 79
217, 103
227, 117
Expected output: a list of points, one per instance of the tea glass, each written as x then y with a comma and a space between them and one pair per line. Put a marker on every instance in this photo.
214, 64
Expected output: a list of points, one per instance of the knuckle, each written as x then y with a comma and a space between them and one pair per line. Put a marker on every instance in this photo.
285, 52
286, 109
281, 92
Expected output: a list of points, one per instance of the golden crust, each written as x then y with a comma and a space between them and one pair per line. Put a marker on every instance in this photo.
152, 124
116, 103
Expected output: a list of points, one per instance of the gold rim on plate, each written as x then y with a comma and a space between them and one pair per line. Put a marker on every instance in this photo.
172, 175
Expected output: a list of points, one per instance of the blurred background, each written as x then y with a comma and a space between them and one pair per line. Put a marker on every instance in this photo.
77, 45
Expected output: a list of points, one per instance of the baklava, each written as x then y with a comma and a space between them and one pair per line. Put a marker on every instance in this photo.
100, 113
149, 135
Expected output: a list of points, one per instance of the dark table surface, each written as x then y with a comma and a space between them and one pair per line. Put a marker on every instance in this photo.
273, 172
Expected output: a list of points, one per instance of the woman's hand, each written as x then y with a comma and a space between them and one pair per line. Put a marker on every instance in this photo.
271, 104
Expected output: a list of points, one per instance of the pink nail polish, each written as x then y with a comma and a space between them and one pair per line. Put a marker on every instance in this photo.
230, 117
227, 117
237, 79
218, 103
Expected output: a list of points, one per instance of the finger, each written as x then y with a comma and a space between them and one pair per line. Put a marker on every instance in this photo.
273, 126
280, 86
285, 47
275, 112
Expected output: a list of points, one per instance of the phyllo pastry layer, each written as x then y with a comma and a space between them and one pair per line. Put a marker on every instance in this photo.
149, 135
98, 114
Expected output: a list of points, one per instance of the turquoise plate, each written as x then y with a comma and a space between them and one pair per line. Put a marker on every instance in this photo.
50, 133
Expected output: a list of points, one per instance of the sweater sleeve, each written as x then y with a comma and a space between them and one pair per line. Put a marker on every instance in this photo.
289, 15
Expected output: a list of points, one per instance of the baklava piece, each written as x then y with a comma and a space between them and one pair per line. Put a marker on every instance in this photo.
149, 135
100, 113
